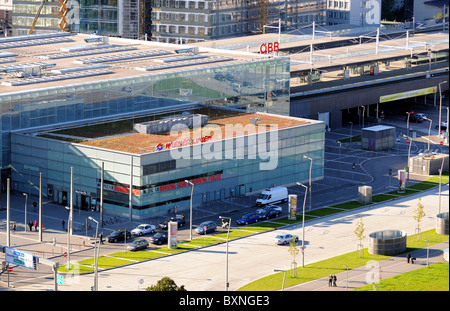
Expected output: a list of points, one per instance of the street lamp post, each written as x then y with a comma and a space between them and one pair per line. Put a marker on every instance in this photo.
228, 235
440, 108
407, 124
409, 154
303, 225
347, 277
429, 133
69, 221
26, 202
190, 208
284, 277
351, 131
428, 251
310, 190
96, 253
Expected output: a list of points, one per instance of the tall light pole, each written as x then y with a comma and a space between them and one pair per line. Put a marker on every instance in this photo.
69, 221
409, 154
429, 133
303, 225
440, 106
428, 251
284, 277
347, 276
228, 235
96, 253
407, 124
310, 190
190, 208
351, 131
26, 203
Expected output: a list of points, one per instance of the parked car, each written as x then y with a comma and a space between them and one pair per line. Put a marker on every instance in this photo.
284, 238
419, 114
267, 213
416, 118
117, 236
209, 225
138, 245
443, 126
247, 219
158, 238
143, 229
179, 219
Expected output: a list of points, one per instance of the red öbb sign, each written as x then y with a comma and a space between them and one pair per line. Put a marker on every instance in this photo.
269, 47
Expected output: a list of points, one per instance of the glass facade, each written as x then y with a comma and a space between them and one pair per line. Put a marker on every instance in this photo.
158, 178
260, 85
200, 20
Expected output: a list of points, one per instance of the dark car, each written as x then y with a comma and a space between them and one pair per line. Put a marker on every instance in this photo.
138, 245
247, 219
416, 118
209, 225
267, 213
117, 236
180, 220
159, 238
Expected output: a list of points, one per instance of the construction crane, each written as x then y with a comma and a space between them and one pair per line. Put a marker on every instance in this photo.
62, 12
263, 15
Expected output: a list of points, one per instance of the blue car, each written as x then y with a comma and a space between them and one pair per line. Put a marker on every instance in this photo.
248, 219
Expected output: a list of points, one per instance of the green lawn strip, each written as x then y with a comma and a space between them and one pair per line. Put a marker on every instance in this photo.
435, 178
383, 197
234, 234
335, 264
407, 192
422, 186
432, 278
348, 205
325, 211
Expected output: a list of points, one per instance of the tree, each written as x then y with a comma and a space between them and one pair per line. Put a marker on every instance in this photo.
166, 284
359, 231
418, 215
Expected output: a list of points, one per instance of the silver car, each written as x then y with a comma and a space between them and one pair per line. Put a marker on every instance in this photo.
284, 238
208, 226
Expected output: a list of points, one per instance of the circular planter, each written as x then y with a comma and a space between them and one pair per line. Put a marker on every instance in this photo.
387, 242
442, 223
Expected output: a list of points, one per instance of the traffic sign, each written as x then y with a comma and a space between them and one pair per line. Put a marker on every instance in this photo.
10, 269
19, 257
65, 254
60, 279
441, 143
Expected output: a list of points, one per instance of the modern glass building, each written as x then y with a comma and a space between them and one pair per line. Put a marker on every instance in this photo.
59, 92
220, 165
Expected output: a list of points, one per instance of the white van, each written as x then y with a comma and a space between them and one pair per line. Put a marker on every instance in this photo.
272, 195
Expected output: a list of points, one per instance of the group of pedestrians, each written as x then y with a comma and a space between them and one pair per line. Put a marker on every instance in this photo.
332, 280
32, 224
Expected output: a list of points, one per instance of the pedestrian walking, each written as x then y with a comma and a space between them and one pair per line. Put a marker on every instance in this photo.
35, 224
334, 280
14, 227
101, 238
63, 224
330, 280
30, 225
408, 257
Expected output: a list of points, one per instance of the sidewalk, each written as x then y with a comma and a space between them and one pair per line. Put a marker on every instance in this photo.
377, 270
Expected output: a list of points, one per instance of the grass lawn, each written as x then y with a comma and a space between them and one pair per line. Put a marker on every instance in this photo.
349, 205
432, 278
336, 264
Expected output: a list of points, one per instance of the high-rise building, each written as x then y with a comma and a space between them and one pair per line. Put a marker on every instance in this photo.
165, 20
192, 21
105, 17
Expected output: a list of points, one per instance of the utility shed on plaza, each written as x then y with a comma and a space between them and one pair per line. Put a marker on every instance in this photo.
378, 138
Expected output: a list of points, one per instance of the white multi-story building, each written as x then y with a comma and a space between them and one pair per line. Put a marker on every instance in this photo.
354, 12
